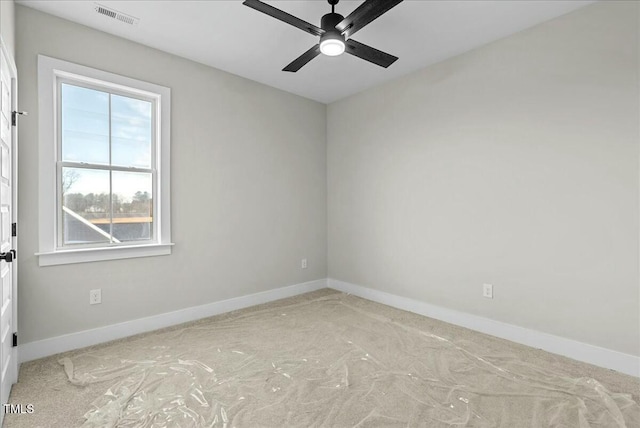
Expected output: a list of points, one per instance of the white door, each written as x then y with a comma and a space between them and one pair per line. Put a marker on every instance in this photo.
8, 307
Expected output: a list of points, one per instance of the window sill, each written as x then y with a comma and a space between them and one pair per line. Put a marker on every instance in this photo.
84, 255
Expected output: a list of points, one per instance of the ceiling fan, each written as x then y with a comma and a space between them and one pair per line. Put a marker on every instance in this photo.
335, 31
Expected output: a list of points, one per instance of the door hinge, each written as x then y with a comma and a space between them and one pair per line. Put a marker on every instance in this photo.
9, 256
15, 339
14, 229
14, 116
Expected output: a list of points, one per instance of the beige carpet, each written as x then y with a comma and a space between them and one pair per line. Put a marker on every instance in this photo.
320, 359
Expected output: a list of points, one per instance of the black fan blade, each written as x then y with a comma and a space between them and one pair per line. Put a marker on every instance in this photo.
364, 14
369, 54
299, 62
283, 16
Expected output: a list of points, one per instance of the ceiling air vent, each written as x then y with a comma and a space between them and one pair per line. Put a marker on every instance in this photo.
114, 14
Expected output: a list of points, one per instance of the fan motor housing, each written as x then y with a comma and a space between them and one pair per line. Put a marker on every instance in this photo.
330, 20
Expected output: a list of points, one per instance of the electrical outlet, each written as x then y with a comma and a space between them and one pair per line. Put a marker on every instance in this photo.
303, 264
487, 291
95, 296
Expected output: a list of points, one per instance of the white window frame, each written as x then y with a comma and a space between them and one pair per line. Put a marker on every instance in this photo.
51, 72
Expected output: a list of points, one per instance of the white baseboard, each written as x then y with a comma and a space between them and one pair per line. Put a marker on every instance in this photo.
624, 363
55, 345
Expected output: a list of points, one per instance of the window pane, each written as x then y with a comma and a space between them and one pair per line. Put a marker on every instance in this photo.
85, 209
85, 125
130, 132
132, 206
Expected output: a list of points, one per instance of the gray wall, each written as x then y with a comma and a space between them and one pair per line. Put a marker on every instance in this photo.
7, 24
515, 164
248, 189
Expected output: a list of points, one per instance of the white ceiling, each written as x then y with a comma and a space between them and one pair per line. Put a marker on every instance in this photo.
235, 38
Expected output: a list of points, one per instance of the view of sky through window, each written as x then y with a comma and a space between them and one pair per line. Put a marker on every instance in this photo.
85, 134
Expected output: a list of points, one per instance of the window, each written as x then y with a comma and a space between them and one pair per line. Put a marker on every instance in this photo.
105, 168
104, 165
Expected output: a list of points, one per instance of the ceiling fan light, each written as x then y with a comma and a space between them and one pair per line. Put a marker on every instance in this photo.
332, 44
